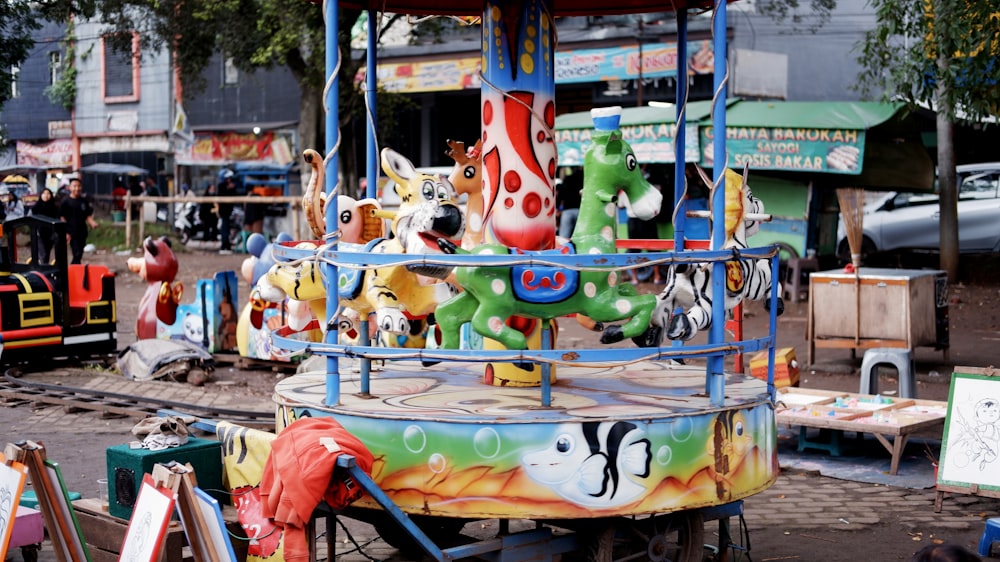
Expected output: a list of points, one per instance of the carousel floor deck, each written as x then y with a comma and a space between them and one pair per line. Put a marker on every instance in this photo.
455, 392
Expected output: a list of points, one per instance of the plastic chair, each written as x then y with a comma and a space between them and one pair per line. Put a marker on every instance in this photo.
990, 535
795, 270
900, 358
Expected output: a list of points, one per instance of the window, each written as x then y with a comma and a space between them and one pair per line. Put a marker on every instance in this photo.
55, 67
230, 74
15, 90
120, 71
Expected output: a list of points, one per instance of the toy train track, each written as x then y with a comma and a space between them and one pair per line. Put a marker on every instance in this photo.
14, 389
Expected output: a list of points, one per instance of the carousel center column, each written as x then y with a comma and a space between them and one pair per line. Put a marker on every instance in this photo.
519, 154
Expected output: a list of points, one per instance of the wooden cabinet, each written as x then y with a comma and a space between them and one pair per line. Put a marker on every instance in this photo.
878, 308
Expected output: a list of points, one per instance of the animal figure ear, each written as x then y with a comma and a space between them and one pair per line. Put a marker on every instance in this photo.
374, 226
615, 144
397, 166
150, 246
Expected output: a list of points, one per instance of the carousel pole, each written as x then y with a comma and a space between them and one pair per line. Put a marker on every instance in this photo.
519, 154
371, 168
715, 380
332, 109
680, 137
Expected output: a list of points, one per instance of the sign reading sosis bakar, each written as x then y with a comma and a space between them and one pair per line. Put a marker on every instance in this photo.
835, 151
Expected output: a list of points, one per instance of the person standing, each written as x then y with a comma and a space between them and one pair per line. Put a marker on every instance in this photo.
568, 201
226, 189
45, 207
12, 206
78, 214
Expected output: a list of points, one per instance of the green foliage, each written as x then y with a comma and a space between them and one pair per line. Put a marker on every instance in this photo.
901, 55
788, 11
63, 92
19, 19
15, 40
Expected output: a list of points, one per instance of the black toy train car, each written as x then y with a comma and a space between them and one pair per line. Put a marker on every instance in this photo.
50, 309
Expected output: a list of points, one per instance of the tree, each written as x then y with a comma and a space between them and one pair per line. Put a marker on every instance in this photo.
256, 34
940, 54
16, 41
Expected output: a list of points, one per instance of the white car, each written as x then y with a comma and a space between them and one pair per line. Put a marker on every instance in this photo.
910, 221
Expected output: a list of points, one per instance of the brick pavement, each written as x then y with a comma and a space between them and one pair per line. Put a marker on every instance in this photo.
799, 501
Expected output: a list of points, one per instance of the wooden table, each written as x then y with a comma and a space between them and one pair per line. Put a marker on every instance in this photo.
890, 420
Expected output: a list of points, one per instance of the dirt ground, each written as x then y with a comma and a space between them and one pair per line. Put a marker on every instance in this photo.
975, 332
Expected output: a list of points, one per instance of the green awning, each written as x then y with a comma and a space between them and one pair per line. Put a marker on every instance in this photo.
855, 116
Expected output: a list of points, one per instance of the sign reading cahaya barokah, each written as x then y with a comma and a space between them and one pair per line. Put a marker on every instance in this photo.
837, 151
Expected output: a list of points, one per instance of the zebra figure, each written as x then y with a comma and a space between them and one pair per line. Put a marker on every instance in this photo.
685, 305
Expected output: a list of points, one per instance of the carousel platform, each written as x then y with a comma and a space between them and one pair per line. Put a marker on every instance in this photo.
639, 438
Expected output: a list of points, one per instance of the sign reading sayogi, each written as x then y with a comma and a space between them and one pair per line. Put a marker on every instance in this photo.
652, 142
835, 151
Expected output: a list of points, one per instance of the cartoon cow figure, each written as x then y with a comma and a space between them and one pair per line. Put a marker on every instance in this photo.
158, 267
395, 294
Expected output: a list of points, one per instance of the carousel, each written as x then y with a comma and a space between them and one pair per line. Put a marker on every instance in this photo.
441, 344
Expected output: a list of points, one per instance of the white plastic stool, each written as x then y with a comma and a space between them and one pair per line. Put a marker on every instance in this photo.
900, 358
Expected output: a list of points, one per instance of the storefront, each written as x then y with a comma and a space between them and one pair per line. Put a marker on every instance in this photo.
797, 152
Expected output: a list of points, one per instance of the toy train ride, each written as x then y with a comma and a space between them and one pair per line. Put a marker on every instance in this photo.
51, 309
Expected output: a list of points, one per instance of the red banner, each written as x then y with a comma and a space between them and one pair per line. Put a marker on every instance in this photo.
232, 147
53, 154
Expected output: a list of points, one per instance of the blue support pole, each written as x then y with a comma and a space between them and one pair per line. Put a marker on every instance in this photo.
680, 138
716, 364
371, 167
332, 132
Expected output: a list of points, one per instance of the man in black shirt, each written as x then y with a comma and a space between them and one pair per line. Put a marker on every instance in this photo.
78, 214
226, 189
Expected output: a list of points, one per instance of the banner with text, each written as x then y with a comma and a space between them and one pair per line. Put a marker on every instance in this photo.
834, 151
653, 143
572, 66
622, 63
53, 154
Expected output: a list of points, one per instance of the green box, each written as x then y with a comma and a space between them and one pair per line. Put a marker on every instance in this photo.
126, 467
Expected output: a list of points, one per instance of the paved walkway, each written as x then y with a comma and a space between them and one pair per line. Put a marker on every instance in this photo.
798, 504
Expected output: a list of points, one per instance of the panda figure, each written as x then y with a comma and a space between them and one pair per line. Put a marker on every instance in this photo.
193, 329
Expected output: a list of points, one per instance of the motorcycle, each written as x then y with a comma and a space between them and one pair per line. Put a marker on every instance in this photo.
189, 226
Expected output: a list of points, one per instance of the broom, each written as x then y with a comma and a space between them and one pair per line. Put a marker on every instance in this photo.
852, 208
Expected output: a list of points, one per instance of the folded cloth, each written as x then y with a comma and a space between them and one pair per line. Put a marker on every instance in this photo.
159, 441
161, 433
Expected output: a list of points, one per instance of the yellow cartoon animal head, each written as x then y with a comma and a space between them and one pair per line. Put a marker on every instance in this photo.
428, 207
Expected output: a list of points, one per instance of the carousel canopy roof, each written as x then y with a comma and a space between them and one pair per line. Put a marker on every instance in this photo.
560, 7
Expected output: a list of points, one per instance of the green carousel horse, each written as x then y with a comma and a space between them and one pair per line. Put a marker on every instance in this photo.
492, 294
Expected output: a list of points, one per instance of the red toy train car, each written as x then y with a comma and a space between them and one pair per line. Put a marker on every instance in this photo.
50, 309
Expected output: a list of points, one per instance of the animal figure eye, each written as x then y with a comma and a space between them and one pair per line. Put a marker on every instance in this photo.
564, 444
630, 161
443, 193
739, 429
345, 217
469, 172
427, 190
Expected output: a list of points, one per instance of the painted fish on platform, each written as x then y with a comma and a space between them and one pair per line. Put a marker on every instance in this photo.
593, 464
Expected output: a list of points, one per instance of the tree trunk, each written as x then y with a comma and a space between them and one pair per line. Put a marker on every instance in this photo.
947, 187
311, 123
